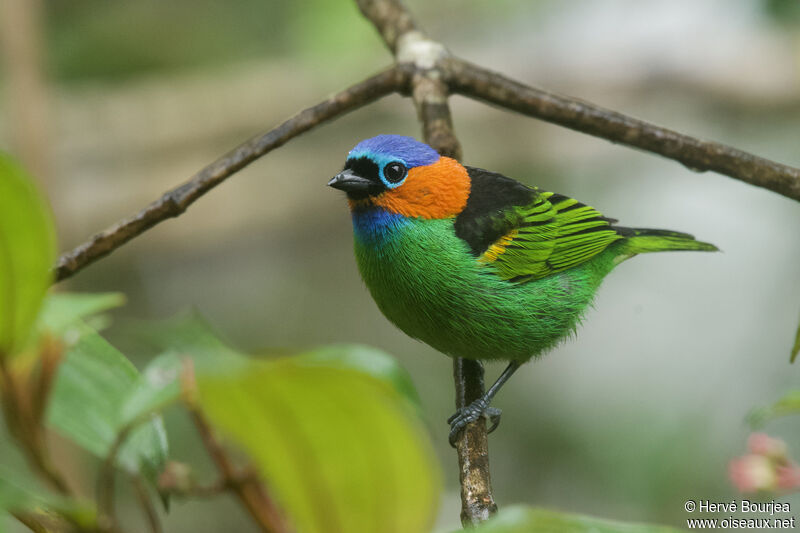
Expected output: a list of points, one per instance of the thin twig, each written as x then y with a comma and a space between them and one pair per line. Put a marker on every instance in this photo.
105, 476
105, 486
247, 488
493, 88
10, 402
147, 504
25, 426
51, 350
30, 521
177, 200
196, 490
177, 480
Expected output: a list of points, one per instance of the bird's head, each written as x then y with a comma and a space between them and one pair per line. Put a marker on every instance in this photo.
403, 176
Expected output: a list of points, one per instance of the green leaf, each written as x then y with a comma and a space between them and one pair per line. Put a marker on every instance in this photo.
796, 347
191, 336
371, 361
783, 11
19, 494
64, 309
339, 449
522, 519
27, 252
157, 387
94, 381
15, 498
788, 405
183, 337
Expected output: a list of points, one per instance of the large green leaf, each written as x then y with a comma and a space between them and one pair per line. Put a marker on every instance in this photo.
796, 347
521, 519
188, 335
15, 498
789, 404
340, 450
94, 381
27, 252
368, 360
191, 336
20, 494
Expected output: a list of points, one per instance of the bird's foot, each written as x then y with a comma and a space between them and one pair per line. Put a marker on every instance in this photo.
472, 412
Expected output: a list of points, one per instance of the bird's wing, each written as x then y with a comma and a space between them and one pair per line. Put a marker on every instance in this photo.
553, 233
526, 234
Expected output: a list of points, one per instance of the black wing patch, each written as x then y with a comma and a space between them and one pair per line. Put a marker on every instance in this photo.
527, 234
486, 216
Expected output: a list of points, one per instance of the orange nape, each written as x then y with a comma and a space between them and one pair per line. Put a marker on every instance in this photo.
438, 190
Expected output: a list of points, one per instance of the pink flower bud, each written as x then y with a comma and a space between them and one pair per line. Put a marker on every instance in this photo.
753, 473
763, 444
789, 477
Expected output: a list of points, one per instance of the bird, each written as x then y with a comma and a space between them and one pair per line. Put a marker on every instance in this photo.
475, 264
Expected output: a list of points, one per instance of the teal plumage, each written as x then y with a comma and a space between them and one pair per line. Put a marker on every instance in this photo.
473, 263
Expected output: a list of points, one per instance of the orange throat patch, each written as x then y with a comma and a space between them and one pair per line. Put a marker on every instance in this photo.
438, 190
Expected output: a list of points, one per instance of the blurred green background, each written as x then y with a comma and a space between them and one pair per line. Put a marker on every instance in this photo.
642, 411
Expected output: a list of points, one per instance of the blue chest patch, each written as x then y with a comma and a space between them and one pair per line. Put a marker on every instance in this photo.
376, 226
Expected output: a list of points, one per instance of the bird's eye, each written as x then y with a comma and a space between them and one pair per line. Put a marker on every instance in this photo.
395, 172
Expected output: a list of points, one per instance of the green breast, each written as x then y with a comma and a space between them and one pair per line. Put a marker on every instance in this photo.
426, 281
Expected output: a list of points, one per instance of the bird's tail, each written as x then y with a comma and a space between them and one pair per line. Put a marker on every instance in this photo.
642, 240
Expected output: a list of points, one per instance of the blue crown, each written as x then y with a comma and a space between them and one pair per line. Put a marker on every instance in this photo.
396, 147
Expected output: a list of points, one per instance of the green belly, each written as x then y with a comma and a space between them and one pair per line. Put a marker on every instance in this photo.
426, 282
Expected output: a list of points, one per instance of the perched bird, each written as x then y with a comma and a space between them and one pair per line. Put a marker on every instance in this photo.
475, 264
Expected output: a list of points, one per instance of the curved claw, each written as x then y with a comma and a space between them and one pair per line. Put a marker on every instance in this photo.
477, 409
493, 414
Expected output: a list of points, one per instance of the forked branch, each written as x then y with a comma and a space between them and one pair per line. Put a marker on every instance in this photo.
415, 55
430, 93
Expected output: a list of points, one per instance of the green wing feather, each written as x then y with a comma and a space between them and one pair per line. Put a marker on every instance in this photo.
549, 235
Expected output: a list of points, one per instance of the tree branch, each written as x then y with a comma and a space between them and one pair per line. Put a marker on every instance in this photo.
430, 92
391, 18
493, 88
472, 446
177, 200
412, 48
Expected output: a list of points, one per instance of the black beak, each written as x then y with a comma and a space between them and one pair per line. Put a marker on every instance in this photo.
349, 181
